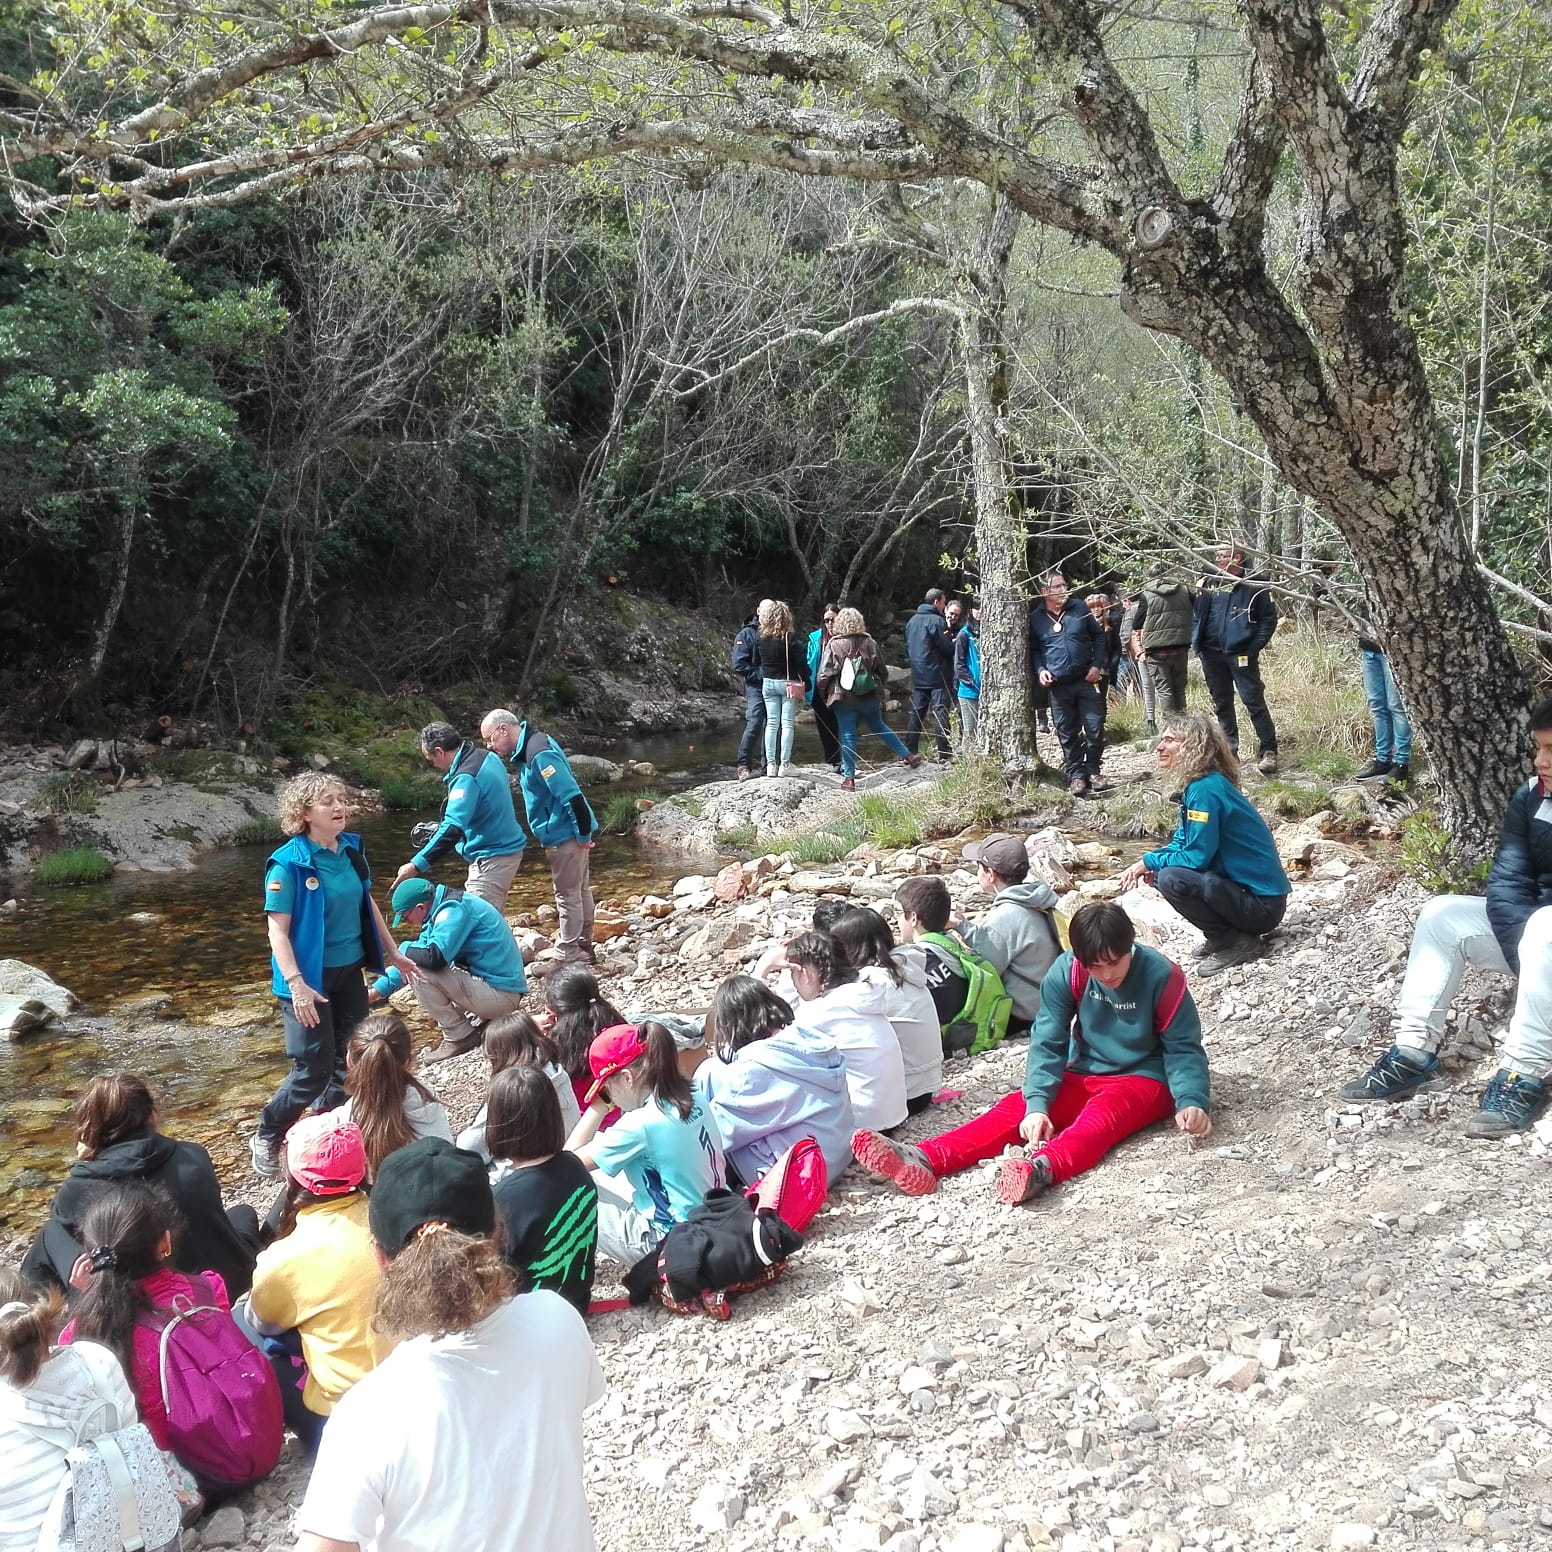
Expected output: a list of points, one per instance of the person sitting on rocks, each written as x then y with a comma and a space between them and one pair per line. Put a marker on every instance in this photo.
387, 1101
925, 907
771, 1083
1510, 932
574, 1015
470, 968
117, 1140
1220, 869
1117, 1047
1017, 936
469, 1434
517, 1041
868, 946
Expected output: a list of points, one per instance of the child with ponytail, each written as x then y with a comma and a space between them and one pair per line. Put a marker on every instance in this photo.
665, 1145
517, 1041
575, 1014
387, 1101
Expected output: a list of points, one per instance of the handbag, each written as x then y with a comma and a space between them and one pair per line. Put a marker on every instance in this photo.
796, 689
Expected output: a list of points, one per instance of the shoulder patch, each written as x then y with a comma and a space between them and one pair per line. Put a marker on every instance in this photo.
444, 915
275, 886
312, 883
1200, 815
458, 792
546, 771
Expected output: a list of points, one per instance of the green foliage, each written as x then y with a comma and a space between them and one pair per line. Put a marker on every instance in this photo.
619, 815
70, 792
1429, 854
973, 795
261, 830
82, 865
403, 794
891, 822
838, 839
1293, 800
737, 838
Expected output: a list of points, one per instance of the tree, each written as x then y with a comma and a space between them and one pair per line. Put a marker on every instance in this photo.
214, 108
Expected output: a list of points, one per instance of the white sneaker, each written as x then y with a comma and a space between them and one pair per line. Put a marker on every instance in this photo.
787, 770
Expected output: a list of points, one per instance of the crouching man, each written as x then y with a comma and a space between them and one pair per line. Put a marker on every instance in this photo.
471, 970
1510, 932
1117, 1046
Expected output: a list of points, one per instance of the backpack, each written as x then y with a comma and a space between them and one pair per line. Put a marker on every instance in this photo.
116, 1494
983, 1021
855, 678
795, 1186
224, 1418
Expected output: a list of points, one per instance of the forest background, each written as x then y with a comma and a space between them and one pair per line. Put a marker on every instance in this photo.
392, 429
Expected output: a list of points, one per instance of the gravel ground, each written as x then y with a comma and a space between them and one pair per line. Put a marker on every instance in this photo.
1324, 1327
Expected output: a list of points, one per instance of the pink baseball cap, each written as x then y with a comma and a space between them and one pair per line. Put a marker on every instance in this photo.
325, 1154
612, 1051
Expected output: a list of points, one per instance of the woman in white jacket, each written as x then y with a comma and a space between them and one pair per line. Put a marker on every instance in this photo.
864, 938
838, 1003
770, 1084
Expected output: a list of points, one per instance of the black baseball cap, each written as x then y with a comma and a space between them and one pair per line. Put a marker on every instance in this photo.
430, 1181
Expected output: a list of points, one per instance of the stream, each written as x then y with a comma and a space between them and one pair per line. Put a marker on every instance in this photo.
172, 970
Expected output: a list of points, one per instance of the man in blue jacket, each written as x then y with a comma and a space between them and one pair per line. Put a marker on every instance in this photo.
470, 969
931, 651
746, 664
1067, 657
1510, 932
559, 816
479, 819
1235, 618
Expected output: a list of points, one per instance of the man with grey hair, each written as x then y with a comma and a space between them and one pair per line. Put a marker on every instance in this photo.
559, 816
479, 819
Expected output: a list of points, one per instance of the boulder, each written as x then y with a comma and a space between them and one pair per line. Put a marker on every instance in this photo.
82, 755
656, 906
719, 937
590, 769
30, 1000
730, 884
691, 884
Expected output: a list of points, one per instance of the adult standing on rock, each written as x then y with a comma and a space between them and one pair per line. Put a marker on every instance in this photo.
1162, 624
851, 679
468, 969
783, 683
560, 817
930, 647
324, 930
824, 716
746, 664
1235, 618
479, 819
1220, 869
1067, 657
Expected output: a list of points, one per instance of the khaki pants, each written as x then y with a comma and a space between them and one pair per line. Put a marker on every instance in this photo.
457, 1000
573, 893
491, 877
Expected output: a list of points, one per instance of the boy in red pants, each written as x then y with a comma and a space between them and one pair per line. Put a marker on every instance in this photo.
1117, 1045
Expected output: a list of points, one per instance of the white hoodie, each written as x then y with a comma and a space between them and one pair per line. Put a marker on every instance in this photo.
65, 1401
914, 1017
853, 1016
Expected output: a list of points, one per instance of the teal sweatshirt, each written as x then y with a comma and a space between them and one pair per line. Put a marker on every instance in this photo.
1221, 831
1117, 1032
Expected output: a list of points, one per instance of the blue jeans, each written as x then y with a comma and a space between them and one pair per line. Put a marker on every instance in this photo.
1392, 730
847, 716
749, 750
781, 724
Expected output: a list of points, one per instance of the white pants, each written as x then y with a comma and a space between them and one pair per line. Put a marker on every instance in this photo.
1453, 932
624, 1235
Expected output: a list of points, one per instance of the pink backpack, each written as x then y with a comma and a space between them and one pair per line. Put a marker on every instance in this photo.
224, 1418
795, 1185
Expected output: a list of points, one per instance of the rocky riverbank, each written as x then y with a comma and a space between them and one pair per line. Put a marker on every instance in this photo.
1325, 1327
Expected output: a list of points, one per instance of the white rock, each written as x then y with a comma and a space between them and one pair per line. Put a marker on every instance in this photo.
717, 1507
976, 1538
844, 1425
1350, 1535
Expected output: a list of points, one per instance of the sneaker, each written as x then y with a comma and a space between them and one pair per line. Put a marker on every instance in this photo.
848, 785
1393, 1076
912, 760
787, 770
1267, 764
1512, 1102
1239, 950
1022, 1180
264, 1156
1375, 770
1400, 777
898, 1162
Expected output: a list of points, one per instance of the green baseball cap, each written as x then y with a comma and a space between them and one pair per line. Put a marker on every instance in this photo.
409, 894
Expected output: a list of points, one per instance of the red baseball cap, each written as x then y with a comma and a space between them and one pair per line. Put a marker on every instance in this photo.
612, 1051
325, 1154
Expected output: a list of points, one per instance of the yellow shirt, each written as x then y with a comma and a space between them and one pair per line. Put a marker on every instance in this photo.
321, 1279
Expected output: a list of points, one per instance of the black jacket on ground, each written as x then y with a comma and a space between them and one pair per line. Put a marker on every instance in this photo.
1520, 882
211, 1241
930, 649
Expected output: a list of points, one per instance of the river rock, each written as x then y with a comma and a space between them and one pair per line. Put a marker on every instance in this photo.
30, 1000
730, 884
164, 829
590, 769
718, 937
607, 925
656, 907
82, 755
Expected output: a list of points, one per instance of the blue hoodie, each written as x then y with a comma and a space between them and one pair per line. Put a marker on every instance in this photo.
775, 1092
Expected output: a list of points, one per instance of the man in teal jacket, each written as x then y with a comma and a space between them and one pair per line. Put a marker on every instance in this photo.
479, 819
559, 816
470, 969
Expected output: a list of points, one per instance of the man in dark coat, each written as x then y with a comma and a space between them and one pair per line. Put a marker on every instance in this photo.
1067, 657
1235, 618
930, 648
746, 664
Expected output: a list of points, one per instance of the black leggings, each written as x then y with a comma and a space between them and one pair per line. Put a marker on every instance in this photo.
317, 1076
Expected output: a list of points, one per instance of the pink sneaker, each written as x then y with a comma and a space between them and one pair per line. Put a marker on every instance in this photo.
899, 1162
1022, 1180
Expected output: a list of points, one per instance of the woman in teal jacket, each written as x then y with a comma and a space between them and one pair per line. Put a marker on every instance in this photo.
824, 716
1220, 869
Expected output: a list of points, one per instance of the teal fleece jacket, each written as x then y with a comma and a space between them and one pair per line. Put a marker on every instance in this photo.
1221, 831
467, 933
1116, 1032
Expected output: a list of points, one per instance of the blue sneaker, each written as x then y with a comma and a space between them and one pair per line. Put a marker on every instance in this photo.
1393, 1076
1512, 1102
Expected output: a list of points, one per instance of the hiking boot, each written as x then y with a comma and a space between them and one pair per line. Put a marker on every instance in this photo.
1375, 770
848, 785
1240, 950
1512, 1102
264, 1156
1097, 783
451, 1048
912, 761
1078, 787
743, 773
1211, 946
1393, 1076
1022, 1180
900, 1163
1267, 764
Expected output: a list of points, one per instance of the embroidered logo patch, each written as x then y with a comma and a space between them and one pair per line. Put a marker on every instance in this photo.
546, 771
458, 792
312, 883
443, 916
1199, 815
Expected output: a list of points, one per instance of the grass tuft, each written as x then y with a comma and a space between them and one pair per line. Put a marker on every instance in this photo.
82, 865
1294, 800
409, 792
839, 838
892, 822
261, 830
70, 792
619, 815
737, 838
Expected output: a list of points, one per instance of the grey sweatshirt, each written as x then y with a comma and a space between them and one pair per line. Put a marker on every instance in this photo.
1018, 937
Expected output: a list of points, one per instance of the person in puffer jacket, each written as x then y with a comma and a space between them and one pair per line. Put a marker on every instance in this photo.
836, 1002
770, 1083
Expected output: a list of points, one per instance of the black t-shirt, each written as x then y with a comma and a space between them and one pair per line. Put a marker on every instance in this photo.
948, 987
549, 1212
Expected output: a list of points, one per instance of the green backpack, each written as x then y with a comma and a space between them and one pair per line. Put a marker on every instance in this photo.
983, 1021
